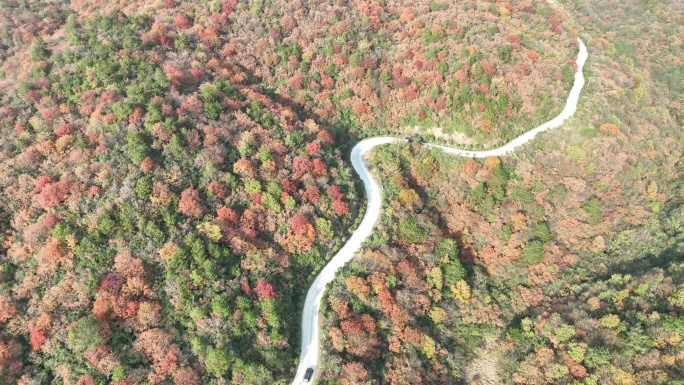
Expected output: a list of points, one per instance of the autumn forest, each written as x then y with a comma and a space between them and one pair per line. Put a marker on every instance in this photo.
174, 174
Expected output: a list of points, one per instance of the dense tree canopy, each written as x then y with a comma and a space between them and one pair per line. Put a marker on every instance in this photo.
174, 173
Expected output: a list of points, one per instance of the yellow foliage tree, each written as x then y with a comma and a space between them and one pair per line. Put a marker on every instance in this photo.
437, 314
408, 196
611, 321
652, 191
518, 222
461, 291
610, 129
62, 143
429, 348
358, 286
434, 278
210, 230
621, 377
491, 162
167, 251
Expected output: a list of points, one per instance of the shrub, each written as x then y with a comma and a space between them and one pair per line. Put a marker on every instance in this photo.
453, 272
532, 253
84, 335
577, 350
40, 51
594, 210
410, 231
541, 232
138, 146
559, 371
564, 333
143, 187
504, 53
218, 362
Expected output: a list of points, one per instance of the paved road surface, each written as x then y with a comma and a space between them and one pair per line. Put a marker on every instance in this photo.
310, 325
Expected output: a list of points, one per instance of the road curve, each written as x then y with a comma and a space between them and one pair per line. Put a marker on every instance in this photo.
310, 326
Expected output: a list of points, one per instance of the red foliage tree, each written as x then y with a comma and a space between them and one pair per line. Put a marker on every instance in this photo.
136, 115
461, 76
488, 68
50, 220
197, 73
264, 290
311, 193
63, 129
313, 148
53, 194
216, 189
295, 82
245, 288
340, 207
300, 166
7, 308
319, 168
190, 204
325, 137
37, 339
175, 75
353, 373
359, 108
181, 21
533, 56
217, 19
289, 186
42, 181
85, 379
287, 22
334, 192
386, 301
227, 215
299, 224
256, 197
146, 165
227, 6
403, 81
514, 39
165, 40
93, 191
186, 376
210, 37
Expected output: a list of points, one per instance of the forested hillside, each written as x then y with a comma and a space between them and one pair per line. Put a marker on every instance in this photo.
174, 173
482, 71
161, 219
559, 264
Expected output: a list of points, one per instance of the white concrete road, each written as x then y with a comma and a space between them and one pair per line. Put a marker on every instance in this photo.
310, 326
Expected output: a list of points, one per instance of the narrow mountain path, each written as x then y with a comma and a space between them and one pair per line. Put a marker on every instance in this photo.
309, 356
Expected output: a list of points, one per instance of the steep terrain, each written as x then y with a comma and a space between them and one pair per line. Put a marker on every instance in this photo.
174, 173
505, 259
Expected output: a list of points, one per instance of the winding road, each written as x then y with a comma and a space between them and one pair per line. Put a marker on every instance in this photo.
310, 324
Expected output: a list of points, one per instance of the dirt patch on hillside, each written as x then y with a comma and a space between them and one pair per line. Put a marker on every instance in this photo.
457, 139
484, 369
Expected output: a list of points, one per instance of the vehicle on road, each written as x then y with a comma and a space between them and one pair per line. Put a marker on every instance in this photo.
312, 304
308, 375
